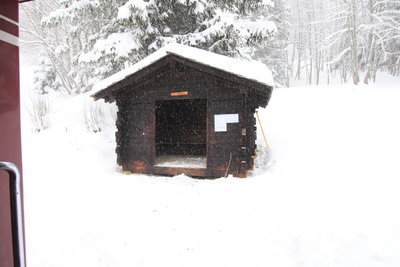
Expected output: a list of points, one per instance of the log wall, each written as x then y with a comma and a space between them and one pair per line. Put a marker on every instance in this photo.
173, 79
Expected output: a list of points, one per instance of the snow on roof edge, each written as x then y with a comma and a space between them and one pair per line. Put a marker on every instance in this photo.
251, 70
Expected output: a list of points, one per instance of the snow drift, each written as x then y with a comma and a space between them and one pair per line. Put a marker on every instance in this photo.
325, 194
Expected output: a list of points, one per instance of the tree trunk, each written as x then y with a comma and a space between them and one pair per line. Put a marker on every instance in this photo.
353, 42
371, 46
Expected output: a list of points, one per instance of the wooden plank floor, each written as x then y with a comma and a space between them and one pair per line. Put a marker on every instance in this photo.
195, 172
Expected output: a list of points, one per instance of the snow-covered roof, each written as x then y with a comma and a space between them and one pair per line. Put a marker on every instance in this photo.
251, 70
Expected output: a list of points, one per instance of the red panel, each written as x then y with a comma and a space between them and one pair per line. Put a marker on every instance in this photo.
10, 133
8, 27
9, 8
10, 130
6, 249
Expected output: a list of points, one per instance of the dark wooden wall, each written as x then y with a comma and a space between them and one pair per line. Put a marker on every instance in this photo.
136, 122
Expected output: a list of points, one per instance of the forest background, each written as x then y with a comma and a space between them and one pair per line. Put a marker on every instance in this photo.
76, 43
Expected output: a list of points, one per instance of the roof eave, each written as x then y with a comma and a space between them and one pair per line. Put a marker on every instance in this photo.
108, 94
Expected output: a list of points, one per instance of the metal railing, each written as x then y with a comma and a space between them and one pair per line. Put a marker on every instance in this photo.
16, 213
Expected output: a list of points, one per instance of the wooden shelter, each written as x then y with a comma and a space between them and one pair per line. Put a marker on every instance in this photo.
186, 110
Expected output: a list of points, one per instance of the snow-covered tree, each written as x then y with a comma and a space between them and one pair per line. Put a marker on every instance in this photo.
223, 27
273, 51
344, 37
87, 40
84, 22
45, 79
381, 30
104, 36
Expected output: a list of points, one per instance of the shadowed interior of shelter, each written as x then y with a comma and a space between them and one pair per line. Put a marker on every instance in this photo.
181, 128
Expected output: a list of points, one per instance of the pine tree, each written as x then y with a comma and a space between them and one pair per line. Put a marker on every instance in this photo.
92, 39
139, 28
218, 26
44, 77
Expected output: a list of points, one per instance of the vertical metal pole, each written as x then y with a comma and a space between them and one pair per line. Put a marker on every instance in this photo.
16, 213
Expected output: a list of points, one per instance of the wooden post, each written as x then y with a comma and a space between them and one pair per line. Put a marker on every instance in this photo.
262, 130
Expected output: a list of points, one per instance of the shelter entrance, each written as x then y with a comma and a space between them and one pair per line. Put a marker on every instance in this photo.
181, 133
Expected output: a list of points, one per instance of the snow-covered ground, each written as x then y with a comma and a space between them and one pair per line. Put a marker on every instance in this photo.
327, 193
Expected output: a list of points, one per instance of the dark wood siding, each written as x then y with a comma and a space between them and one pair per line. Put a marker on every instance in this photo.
135, 135
173, 78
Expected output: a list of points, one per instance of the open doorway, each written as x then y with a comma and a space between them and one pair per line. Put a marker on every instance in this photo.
181, 133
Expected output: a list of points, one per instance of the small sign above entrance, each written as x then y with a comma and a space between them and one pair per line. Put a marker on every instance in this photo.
221, 121
179, 93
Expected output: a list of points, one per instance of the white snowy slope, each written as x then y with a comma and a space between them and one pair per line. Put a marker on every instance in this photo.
326, 194
251, 70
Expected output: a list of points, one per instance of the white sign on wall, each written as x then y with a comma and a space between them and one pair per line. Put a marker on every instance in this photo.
221, 121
